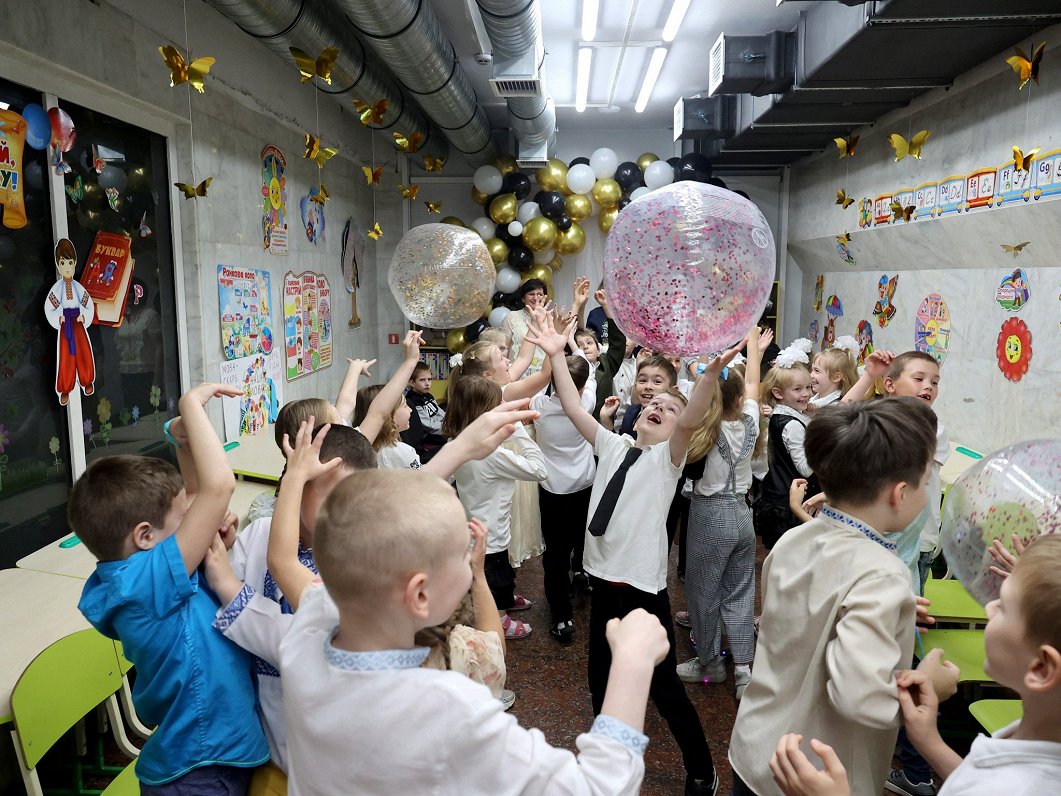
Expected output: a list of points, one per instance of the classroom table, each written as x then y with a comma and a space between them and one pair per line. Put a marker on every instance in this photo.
39, 609
256, 457
67, 556
957, 463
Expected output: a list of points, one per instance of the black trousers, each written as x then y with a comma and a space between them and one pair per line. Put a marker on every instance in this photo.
563, 527
501, 579
667, 691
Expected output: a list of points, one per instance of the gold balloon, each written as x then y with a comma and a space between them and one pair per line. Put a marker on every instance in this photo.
453, 220
456, 341
478, 196
556, 262
578, 206
644, 159
498, 250
539, 233
606, 218
506, 164
607, 193
503, 208
571, 240
553, 176
542, 272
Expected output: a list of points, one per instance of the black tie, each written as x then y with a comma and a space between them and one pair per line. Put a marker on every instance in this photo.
603, 515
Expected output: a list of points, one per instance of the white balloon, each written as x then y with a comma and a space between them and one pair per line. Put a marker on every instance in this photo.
507, 280
658, 174
487, 179
580, 178
639, 192
485, 227
515, 228
498, 315
544, 256
527, 211
603, 161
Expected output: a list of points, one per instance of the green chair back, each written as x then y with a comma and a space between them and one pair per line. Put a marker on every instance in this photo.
952, 603
964, 648
994, 714
125, 784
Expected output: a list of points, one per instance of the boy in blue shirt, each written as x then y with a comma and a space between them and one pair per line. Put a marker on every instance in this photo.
150, 531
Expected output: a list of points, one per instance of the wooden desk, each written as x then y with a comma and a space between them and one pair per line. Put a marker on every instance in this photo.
257, 457
956, 464
72, 561
39, 609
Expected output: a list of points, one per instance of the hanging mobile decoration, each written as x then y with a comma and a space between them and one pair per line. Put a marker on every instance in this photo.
376, 232
846, 146
180, 71
371, 114
321, 66
1015, 249
843, 199
433, 163
314, 150
409, 192
410, 144
911, 147
372, 175
1025, 67
434, 207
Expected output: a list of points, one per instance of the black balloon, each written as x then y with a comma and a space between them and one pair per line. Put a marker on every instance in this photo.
563, 223
694, 166
498, 299
576, 161
516, 183
501, 231
624, 202
520, 257
513, 301
474, 329
628, 175
551, 203
716, 181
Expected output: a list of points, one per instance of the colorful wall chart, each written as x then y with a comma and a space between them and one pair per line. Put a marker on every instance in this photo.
1013, 291
932, 327
307, 323
258, 376
245, 307
274, 200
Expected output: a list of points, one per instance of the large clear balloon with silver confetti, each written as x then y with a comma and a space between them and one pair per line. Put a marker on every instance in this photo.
441, 275
688, 268
1013, 492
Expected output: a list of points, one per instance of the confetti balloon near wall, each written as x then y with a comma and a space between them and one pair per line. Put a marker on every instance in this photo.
1016, 490
441, 275
688, 268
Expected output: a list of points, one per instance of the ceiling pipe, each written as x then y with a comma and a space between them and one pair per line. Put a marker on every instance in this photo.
406, 36
312, 26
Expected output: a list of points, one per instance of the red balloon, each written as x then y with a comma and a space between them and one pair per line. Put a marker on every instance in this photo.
63, 133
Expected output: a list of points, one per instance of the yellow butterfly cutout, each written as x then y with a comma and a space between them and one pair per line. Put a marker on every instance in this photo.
193, 193
1022, 162
843, 199
181, 71
847, 146
1015, 249
321, 66
410, 144
372, 175
410, 192
315, 151
900, 212
376, 232
1027, 68
433, 164
371, 114
912, 147
845, 238
321, 196
434, 207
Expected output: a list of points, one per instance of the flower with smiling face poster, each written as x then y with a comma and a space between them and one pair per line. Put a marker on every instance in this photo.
274, 201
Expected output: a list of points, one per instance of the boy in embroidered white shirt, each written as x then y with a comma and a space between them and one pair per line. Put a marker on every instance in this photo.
362, 716
838, 611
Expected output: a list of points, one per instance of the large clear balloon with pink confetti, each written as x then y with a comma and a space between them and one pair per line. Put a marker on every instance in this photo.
1015, 491
688, 268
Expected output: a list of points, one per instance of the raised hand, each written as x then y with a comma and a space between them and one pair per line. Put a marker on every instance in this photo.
360, 367
411, 345
204, 392
878, 362
581, 291
304, 458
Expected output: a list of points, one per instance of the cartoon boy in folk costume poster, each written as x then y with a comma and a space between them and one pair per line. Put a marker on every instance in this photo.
70, 309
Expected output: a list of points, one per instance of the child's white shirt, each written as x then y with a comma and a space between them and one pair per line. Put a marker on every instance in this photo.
568, 457
716, 470
1000, 765
793, 436
930, 537
824, 400
399, 456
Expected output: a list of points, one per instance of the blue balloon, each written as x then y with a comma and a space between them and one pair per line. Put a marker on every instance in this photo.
38, 126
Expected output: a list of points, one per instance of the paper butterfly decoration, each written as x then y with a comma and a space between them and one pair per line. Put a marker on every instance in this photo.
182, 72
371, 114
847, 146
319, 195
434, 207
410, 144
372, 175
845, 238
433, 164
316, 152
98, 163
76, 192
912, 147
112, 197
1027, 68
409, 192
145, 230
843, 199
193, 193
61, 166
376, 232
900, 212
321, 66
1015, 249
1021, 161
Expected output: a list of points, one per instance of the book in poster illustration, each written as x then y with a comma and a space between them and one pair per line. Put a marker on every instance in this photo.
245, 307
307, 323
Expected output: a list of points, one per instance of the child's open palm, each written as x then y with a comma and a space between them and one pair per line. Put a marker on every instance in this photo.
548, 339
796, 775
304, 458
878, 362
207, 390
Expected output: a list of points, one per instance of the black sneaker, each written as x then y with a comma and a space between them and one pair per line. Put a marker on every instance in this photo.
580, 580
898, 782
563, 631
701, 787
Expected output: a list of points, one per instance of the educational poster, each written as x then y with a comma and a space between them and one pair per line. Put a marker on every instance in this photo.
1047, 174
1013, 291
1012, 184
834, 309
951, 196
865, 340
12, 139
865, 213
925, 201
1014, 349
258, 376
274, 201
307, 323
979, 189
882, 210
312, 217
884, 309
932, 327
905, 197
245, 306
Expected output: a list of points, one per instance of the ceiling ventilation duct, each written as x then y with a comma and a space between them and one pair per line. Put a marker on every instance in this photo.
756, 65
515, 31
406, 36
705, 117
312, 27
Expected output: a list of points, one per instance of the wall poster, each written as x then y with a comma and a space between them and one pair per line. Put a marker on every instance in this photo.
307, 323
245, 305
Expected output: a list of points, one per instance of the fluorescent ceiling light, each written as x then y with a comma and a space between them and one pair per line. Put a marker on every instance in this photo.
585, 60
589, 19
654, 67
674, 19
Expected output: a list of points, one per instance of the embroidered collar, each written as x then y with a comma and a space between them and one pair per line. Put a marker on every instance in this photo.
825, 400
374, 661
781, 409
838, 516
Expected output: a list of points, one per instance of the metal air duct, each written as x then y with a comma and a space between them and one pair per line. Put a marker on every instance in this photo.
406, 36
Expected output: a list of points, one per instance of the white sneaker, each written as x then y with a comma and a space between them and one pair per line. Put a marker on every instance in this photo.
507, 698
741, 680
692, 671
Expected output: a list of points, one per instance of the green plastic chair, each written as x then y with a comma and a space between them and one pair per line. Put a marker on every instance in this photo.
62, 685
125, 696
963, 648
994, 714
952, 603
